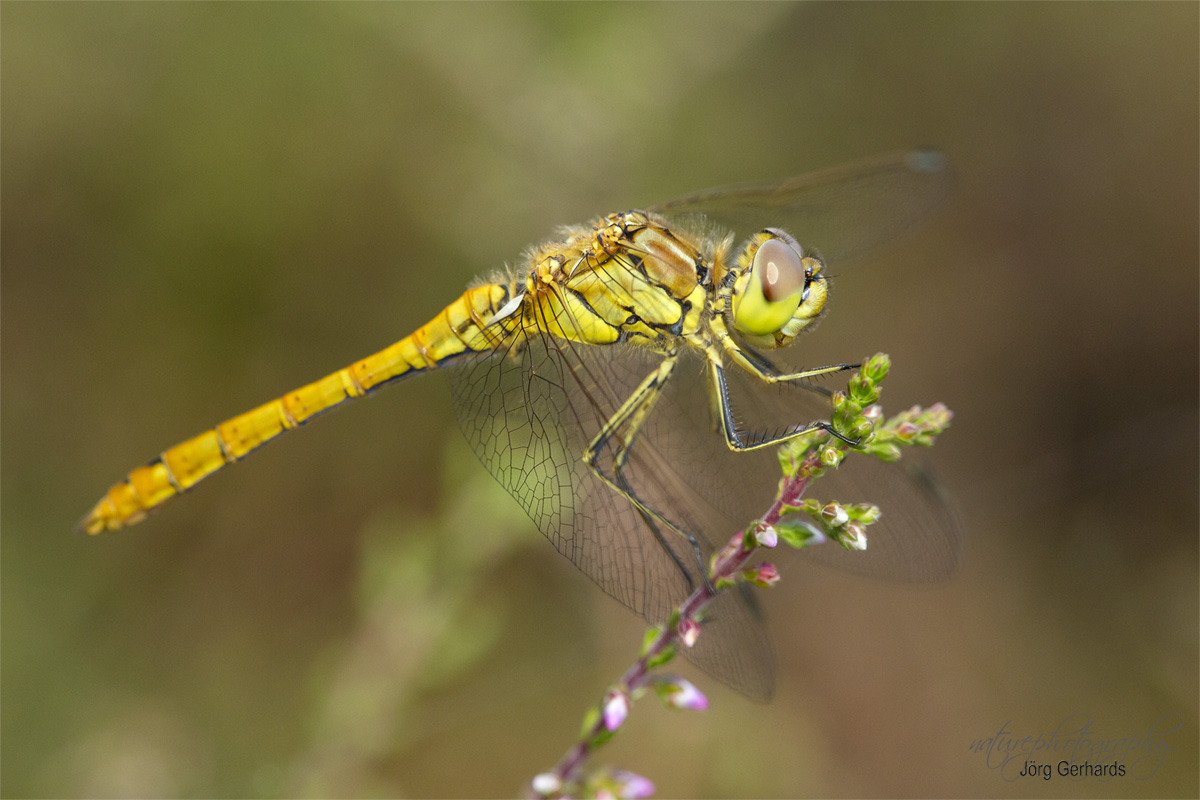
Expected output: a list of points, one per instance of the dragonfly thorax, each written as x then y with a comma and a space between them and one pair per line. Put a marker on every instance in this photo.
628, 277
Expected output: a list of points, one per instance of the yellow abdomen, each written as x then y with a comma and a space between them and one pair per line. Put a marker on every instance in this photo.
460, 328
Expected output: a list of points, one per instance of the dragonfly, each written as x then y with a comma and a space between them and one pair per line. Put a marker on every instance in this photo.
616, 382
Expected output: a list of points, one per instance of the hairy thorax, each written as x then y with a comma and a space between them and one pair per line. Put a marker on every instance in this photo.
626, 278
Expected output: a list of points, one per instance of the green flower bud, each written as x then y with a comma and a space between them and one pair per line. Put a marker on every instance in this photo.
831, 456
876, 367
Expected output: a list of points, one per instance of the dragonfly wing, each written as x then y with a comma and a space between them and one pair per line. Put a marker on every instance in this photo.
919, 537
529, 414
842, 213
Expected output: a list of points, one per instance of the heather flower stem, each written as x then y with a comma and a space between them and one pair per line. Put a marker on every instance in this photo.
727, 565
856, 424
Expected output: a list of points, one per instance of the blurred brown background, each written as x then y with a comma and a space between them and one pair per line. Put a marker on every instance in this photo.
206, 205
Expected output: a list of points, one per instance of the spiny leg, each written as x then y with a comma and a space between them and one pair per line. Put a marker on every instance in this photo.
739, 441
762, 369
630, 417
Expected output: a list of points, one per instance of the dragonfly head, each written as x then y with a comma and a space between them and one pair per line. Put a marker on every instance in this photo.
779, 290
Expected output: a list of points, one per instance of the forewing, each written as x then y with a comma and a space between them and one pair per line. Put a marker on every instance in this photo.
841, 212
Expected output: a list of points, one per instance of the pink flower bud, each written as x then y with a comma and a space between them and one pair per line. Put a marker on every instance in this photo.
632, 786
763, 575
689, 631
616, 708
679, 692
766, 536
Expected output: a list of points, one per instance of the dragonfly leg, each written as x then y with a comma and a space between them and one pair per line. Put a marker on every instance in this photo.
620, 432
743, 440
762, 369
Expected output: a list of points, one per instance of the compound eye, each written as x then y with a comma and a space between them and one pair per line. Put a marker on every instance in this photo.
773, 289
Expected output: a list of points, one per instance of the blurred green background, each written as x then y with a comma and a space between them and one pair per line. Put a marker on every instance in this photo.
205, 205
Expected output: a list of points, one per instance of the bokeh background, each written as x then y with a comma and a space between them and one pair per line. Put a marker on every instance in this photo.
205, 205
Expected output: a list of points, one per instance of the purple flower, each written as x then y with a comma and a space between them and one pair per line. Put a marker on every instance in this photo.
632, 786
616, 708
677, 692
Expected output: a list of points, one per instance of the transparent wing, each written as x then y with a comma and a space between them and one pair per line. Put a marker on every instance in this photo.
919, 537
841, 212
529, 414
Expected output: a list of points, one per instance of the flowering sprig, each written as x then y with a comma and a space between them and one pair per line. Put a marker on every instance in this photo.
857, 424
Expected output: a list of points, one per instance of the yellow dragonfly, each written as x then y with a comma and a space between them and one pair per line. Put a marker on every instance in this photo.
615, 383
